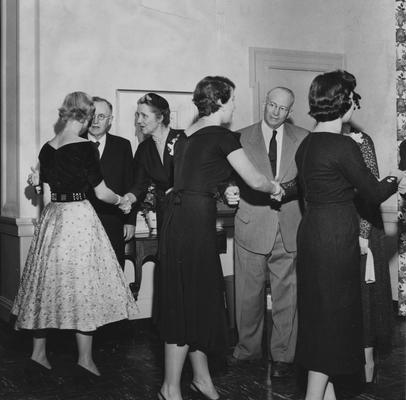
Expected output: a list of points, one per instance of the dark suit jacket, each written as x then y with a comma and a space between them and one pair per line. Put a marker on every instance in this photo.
117, 169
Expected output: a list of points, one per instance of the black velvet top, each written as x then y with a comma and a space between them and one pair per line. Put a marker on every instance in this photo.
73, 168
200, 160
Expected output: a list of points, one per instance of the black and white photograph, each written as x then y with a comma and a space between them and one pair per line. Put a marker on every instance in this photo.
203, 200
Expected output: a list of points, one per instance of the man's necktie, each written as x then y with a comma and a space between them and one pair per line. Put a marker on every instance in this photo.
272, 152
97, 144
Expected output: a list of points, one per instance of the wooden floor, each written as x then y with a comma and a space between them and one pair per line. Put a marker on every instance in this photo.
129, 355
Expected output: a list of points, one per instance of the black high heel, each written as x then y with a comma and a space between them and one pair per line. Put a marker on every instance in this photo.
33, 369
85, 374
197, 392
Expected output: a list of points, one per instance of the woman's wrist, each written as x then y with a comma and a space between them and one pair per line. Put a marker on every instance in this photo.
118, 199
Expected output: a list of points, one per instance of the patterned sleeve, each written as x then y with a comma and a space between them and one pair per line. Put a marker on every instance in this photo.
368, 154
94, 174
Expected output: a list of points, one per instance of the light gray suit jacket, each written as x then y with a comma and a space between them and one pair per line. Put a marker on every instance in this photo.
256, 223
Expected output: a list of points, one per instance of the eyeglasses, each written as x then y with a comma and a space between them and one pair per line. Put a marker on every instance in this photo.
101, 117
282, 109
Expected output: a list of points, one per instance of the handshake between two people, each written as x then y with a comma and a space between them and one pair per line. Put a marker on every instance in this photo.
124, 203
232, 193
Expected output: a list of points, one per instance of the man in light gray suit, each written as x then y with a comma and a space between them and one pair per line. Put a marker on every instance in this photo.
265, 238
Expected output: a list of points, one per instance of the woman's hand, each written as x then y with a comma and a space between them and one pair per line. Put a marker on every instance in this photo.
33, 177
232, 195
124, 204
131, 197
398, 173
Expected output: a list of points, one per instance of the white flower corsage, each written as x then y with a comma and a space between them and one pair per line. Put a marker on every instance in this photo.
171, 145
357, 136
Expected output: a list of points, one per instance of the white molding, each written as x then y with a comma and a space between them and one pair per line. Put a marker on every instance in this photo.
20, 227
262, 60
296, 60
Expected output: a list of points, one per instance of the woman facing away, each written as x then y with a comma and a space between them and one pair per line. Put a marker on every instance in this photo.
376, 293
153, 160
191, 315
72, 279
330, 165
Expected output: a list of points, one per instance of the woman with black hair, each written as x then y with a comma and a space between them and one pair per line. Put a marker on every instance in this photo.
330, 165
191, 313
153, 160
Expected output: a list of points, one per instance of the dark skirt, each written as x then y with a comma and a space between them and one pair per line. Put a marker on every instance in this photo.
190, 307
329, 292
378, 315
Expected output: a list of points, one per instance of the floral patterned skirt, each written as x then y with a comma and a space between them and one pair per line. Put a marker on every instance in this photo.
71, 279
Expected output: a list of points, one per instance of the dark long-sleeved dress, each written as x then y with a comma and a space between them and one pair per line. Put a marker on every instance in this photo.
190, 293
148, 168
377, 296
330, 336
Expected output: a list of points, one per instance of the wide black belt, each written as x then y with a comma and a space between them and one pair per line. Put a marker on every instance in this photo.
67, 197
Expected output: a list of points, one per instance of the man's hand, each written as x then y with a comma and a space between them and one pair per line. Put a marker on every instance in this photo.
232, 195
279, 192
129, 231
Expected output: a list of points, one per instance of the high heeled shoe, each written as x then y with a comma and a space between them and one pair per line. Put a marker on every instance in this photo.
84, 375
197, 392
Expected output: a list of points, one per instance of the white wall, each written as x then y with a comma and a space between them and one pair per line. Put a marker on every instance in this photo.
99, 46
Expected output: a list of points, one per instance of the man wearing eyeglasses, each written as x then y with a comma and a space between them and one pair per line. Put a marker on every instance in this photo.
265, 238
116, 164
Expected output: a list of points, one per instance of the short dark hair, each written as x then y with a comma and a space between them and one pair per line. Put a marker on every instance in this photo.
76, 106
159, 106
209, 91
329, 95
97, 99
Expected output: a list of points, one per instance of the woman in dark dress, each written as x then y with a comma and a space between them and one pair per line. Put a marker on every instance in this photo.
376, 293
72, 278
330, 165
191, 313
153, 160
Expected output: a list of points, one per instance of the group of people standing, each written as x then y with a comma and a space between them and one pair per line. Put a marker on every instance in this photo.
73, 280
